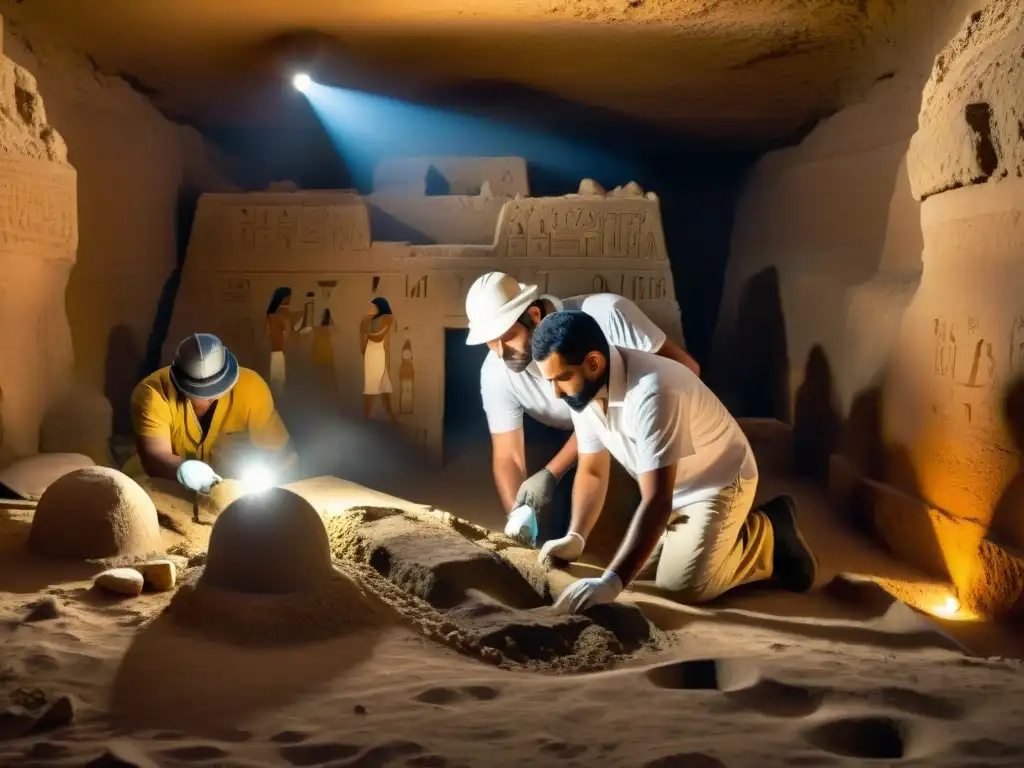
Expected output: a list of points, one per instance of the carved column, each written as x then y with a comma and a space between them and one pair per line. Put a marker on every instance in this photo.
954, 412
38, 241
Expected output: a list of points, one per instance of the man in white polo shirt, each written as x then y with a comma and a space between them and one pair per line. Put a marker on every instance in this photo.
503, 314
694, 530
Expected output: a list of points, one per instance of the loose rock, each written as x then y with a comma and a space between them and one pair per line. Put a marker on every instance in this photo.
122, 754
60, 714
159, 575
123, 581
45, 609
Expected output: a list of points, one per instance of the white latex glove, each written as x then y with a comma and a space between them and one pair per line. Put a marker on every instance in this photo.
581, 595
522, 525
569, 547
197, 476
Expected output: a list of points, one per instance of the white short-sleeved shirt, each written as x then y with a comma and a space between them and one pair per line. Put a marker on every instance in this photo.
660, 413
507, 395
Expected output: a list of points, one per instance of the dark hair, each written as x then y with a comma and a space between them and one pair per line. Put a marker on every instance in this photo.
571, 333
280, 294
526, 320
383, 308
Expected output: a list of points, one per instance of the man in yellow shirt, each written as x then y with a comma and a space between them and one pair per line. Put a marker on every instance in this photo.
181, 412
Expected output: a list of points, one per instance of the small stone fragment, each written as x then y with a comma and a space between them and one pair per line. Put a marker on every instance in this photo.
591, 187
45, 609
29, 698
359, 709
60, 714
159, 575
122, 754
123, 581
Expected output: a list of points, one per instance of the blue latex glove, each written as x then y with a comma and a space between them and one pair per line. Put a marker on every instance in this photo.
522, 525
585, 593
197, 476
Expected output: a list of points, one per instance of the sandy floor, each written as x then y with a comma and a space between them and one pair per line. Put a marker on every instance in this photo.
431, 675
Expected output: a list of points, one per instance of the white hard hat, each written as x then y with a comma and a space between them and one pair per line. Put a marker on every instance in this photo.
494, 303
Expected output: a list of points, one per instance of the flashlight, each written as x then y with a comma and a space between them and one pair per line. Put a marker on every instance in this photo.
256, 479
302, 81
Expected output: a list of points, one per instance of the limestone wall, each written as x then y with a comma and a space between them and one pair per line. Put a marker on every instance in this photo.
320, 246
38, 237
134, 169
469, 219
891, 324
451, 176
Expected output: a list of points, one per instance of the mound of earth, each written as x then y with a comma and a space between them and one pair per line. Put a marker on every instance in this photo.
483, 594
269, 578
94, 513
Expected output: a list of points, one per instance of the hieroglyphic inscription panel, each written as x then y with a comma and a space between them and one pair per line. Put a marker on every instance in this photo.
970, 364
570, 228
297, 227
37, 204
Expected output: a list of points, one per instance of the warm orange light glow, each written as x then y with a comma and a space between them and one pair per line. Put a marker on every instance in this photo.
947, 609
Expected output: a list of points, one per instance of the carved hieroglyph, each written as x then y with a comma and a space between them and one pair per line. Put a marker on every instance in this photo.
247, 248
567, 227
38, 240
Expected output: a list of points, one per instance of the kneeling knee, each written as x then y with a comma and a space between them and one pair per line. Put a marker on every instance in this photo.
687, 590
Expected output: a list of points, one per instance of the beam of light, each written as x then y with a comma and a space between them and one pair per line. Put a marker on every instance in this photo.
302, 82
365, 128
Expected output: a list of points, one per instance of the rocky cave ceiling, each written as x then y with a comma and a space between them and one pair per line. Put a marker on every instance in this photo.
745, 72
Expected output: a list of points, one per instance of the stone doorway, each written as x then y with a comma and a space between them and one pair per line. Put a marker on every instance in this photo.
465, 426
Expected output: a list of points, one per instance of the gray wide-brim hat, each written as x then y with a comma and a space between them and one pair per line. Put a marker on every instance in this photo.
203, 367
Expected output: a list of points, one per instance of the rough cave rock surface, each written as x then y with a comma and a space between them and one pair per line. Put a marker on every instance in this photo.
30, 477
38, 242
94, 513
971, 126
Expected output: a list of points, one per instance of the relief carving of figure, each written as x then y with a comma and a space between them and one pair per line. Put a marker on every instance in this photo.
322, 356
282, 322
375, 331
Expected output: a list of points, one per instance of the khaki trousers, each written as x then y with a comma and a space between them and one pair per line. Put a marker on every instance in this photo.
712, 546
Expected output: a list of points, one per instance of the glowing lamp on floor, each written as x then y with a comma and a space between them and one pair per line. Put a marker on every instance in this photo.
947, 608
302, 81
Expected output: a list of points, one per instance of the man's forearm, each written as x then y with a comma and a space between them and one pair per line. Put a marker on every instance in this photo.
164, 467
508, 476
563, 460
588, 494
645, 529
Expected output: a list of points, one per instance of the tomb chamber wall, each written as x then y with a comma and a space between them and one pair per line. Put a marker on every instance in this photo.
138, 174
38, 238
873, 284
287, 279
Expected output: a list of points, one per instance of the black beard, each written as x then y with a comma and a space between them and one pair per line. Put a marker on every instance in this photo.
587, 394
517, 363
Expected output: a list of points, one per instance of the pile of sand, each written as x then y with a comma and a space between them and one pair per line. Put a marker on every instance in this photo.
269, 578
479, 593
94, 513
